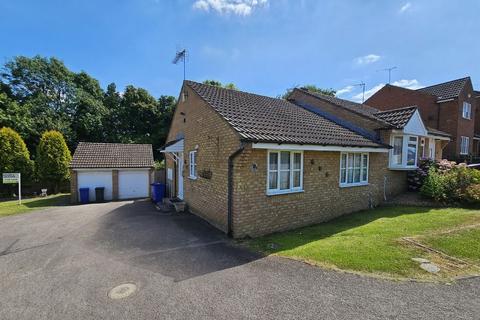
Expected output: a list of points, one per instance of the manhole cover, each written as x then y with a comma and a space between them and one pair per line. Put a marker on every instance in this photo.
122, 291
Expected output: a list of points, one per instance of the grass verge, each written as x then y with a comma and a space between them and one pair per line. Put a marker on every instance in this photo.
370, 241
11, 207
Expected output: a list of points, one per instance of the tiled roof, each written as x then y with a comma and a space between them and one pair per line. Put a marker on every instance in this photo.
446, 90
436, 132
476, 93
264, 119
353, 106
397, 117
112, 155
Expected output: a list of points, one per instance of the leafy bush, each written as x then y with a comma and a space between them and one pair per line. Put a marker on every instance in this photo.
435, 185
53, 159
14, 155
416, 178
450, 185
472, 193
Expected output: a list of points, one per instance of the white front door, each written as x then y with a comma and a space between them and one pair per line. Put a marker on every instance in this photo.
180, 176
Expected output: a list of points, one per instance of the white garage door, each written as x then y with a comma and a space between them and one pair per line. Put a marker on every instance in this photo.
93, 179
132, 184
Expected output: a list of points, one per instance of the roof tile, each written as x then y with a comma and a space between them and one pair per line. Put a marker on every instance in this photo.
264, 119
112, 155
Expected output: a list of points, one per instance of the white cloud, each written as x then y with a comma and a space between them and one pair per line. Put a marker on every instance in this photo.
409, 84
342, 91
368, 93
412, 84
369, 58
237, 7
405, 7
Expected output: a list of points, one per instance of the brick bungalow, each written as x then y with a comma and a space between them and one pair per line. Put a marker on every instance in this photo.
451, 107
253, 165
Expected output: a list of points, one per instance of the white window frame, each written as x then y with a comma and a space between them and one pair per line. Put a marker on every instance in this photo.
467, 110
404, 155
464, 145
192, 164
291, 169
347, 167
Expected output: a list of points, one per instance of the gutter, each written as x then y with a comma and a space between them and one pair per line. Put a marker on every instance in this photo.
231, 158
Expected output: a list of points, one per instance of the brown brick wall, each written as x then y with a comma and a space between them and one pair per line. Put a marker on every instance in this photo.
114, 184
73, 186
256, 214
213, 138
392, 97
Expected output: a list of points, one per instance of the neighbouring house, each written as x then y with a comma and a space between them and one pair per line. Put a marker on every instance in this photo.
124, 170
450, 107
253, 165
401, 128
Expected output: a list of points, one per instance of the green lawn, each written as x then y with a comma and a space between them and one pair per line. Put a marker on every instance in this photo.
464, 244
370, 241
8, 208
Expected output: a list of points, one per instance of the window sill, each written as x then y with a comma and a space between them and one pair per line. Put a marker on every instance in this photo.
192, 178
403, 168
348, 185
276, 193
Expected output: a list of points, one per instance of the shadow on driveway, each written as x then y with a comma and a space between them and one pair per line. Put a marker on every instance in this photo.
179, 246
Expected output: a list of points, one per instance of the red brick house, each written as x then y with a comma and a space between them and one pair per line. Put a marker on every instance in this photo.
252, 165
450, 107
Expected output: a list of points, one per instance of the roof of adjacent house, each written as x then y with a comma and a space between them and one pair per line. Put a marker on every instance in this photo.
362, 109
437, 132
112, 155
264, 119
446, 90
397, 117
477, 93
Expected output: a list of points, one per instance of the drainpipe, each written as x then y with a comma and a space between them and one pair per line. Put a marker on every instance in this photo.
231, 158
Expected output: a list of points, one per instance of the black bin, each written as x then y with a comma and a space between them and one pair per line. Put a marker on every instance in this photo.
99, 191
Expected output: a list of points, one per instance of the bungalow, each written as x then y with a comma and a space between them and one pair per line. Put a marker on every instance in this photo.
253, 165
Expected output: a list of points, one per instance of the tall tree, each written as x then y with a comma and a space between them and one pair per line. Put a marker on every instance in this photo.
311, 88
53, 159
14, 155
88, 111
44, 86
216, 83
112, 120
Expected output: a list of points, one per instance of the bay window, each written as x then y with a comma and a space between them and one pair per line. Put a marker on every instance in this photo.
353, 169
404, 153
285, 172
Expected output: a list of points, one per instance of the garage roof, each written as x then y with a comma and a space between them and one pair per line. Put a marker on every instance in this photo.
112, 155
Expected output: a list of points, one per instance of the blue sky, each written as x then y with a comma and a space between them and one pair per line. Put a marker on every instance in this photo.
263, 46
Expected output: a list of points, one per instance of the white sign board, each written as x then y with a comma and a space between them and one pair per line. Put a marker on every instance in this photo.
11, 177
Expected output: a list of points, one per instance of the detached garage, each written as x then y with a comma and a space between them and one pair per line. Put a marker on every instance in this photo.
123, 170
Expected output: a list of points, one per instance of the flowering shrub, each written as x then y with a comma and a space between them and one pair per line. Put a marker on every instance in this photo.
449, 183
472, 193
416, 178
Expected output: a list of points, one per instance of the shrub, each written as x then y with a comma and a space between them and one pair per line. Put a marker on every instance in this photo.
53, 159
449, 185
14, 155
472, 193
435, 185
416, 178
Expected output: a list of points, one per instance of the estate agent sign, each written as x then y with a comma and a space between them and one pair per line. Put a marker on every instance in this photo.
14, 178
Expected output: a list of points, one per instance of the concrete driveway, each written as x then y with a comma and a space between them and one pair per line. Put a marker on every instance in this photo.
60, 264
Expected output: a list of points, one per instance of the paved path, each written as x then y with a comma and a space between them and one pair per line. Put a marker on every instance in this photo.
60, 263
